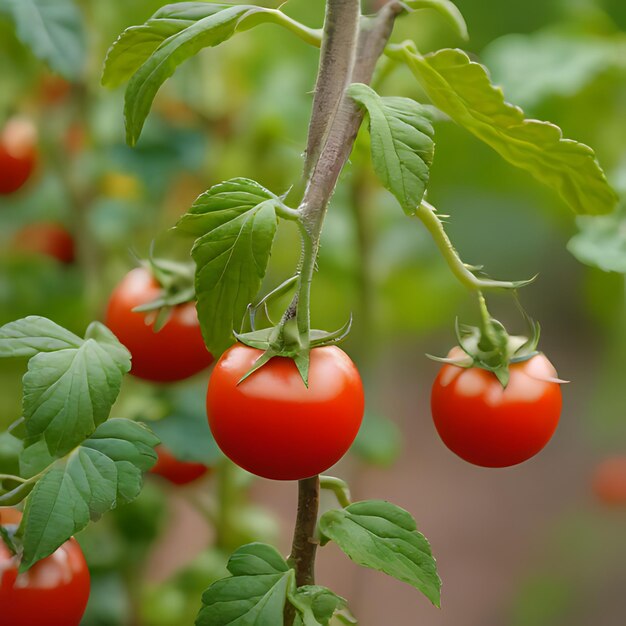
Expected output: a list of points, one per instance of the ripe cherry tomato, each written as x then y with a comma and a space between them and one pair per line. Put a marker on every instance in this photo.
54, 591
490, 426
46, 238
272, 425
177, 472
609, 481
175, 352
18, 154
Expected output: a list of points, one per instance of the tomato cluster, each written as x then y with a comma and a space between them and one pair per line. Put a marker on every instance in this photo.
174, 352
494, 426
54, 591
274, 426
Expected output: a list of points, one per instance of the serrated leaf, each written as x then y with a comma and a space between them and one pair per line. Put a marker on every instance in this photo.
34, 334
148, 55
103, 472
53, 30
401, 143
137, 43
462, 89
446, 9
235, 223
254, 595
69, 393
384, 537
316, 605
601, 241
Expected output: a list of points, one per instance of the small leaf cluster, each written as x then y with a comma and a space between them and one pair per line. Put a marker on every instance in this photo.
76, 463
374, 534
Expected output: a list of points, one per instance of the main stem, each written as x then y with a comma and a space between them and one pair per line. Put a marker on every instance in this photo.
350, 50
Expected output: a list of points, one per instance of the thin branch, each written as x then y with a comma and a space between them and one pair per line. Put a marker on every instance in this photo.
336, 62
427, 214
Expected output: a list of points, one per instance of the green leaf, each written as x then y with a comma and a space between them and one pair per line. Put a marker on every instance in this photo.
382, 536
53, 30
446, 9
34, 334
137, 43
254, 595
148, 55
601, 241
103, 472
235, 223
70, 384
462, 89
401, 143
69, 393
316, 605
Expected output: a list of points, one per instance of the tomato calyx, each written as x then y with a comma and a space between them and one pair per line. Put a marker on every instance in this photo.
490, 347
286, 339
176, 280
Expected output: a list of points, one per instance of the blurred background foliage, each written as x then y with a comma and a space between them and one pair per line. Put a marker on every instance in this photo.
242, 110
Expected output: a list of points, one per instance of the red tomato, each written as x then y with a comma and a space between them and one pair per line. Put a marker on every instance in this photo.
177, 472
54, 591
46, 238
609, 481
18, 154
175, 352
272, 425
491, 426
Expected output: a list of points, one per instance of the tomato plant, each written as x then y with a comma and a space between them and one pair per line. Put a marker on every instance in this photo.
283, 401
49, 239
18, 153
261, 422
176, 471
173, 352
54, 591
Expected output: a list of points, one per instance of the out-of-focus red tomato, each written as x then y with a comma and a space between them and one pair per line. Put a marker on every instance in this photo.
18, 153
46, 238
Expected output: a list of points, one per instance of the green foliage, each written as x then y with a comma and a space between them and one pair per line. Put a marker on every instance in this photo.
148, 55
234, 223
401, 143
52, 29
316, 605
101, 473
384, 537
71, 383
254, 595
462, 89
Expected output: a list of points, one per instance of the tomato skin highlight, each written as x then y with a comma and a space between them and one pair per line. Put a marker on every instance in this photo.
490, 426
54, 591
176, 471
175, 352
18, 154
609, 481
46, 238
272, 425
